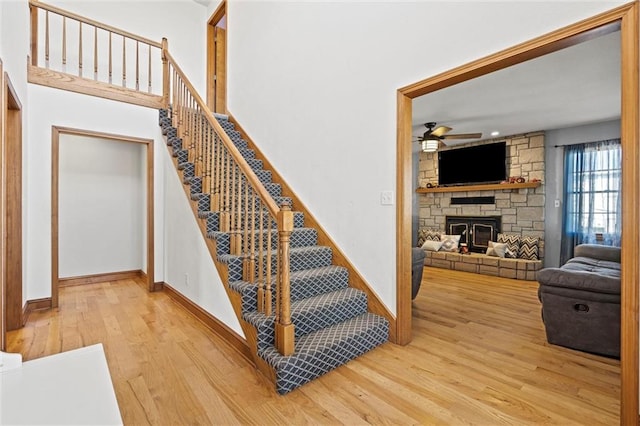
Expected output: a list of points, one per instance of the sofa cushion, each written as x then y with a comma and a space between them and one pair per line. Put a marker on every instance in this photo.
513, 244
579, 279
450, 243
600, 267
496, 249
529, 248
597, 251
431, 245
428, 235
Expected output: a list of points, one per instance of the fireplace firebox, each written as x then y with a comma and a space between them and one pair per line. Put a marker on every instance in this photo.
475, 231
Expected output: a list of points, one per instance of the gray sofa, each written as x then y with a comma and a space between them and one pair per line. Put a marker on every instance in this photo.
581, 300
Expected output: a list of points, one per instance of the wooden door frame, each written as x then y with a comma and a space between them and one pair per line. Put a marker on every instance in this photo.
11, 210
3, 307
624, 18
56, 131
214, 19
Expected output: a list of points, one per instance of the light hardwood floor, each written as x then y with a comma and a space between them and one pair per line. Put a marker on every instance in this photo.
479, 356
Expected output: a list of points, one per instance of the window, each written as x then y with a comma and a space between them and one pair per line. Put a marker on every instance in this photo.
592, 191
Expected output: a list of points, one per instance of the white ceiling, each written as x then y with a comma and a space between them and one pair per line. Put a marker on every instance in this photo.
573, 86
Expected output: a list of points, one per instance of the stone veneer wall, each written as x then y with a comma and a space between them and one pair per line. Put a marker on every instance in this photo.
522, 210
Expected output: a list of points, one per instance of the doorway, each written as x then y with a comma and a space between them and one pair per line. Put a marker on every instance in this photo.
120, 240
625, 19
10, 208
217, 60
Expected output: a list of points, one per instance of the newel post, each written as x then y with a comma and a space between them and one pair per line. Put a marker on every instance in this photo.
33, 12
285, 339
165, 73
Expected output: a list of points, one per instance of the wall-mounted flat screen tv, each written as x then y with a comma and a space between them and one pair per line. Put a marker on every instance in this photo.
473, 165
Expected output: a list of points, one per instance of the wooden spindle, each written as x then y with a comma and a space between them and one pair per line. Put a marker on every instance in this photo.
137, 65
262, 306
124, 61
217, 167
268, 258
165, 73
64, 42
236, 211
33, 15
244, 234
149, 77
252, 224
95, 53
46, 38
110, 58
284, 328
80, 48
225, 219
239, 201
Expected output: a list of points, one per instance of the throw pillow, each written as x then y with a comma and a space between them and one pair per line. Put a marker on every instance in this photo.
432, 245
449, 242
513, 244
427, 235
496, 249
529, 248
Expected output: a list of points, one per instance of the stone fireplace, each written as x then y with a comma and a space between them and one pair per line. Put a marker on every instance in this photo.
475, 231
519, 211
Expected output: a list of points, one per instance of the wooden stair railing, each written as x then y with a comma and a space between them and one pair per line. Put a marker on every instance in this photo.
246, 210
71, 52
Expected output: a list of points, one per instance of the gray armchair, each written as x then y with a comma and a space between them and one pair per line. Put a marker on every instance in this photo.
417, 266
581, 301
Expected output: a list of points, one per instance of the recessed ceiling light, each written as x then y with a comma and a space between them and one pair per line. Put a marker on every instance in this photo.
495, 133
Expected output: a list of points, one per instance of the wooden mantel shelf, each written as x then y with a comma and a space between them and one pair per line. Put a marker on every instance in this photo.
486, 187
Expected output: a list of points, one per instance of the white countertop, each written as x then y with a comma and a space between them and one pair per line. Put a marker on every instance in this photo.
70, 388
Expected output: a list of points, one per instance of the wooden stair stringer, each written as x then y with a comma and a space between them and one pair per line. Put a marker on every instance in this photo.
356, 280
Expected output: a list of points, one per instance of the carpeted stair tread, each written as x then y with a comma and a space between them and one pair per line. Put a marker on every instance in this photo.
300, 237
299, 258
312, 314
213, 220
303, 284
324, 350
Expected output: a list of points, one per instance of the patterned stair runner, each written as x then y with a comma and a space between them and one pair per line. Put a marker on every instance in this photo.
332, 324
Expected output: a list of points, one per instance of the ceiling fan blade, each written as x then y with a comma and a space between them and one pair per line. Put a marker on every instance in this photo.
441, 130
463, 136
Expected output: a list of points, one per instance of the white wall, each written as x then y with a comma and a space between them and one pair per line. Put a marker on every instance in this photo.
314, 84
101, 206
188, 265
51, 107
554, 177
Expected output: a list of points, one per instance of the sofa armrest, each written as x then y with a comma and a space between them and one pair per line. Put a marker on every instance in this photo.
597, 251
587, 281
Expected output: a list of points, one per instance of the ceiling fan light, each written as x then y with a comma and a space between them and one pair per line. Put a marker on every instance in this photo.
430, 145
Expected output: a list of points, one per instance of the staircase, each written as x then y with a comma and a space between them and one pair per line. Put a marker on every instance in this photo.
302, 315
332, 324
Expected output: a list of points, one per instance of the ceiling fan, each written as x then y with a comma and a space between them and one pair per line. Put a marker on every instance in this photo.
435, 135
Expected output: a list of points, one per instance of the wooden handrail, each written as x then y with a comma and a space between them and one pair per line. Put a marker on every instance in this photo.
239, 197
233, 150
100, 25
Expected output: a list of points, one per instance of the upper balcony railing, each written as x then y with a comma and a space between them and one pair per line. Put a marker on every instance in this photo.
75, 53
